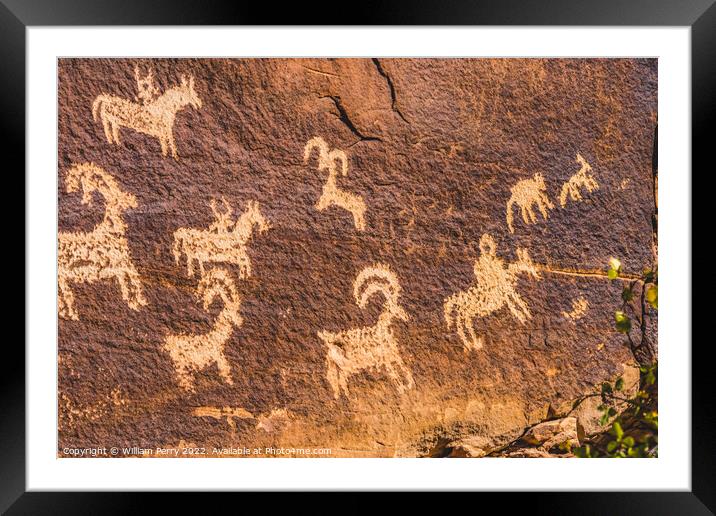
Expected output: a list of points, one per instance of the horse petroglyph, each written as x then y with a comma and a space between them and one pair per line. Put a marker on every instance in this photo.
352, 351
526, 194
191, 353
153, 115
103, 253
494, 289
332, 195
582, 179
223, 241
579, 308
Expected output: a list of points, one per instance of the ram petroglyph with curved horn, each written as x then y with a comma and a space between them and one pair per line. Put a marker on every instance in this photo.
192, 353
352, 351
223, 241
100, 254
332, 195
153, 115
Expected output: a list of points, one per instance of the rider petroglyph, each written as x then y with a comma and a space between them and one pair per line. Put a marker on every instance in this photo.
223, 241
494, 288
153, 115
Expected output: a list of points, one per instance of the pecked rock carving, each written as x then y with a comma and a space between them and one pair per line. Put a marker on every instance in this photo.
582, 179
191, 353
223, 241
102, 253
526, 194
374, 346
332, 195
154, 115
494, 289
579, 308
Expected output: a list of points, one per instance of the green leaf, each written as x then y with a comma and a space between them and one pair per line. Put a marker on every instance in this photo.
629, 441
606, 388
618, 431
612, 446
612, 412
623, 322
612, 274
619, 385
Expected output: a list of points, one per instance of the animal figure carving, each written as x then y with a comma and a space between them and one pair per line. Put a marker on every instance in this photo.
103, 253
192, 353
494, 289
332, 195
579, 308
582, 179
352, 351
223, 241
526, 194
154, 115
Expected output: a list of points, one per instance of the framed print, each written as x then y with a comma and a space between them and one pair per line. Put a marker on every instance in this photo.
293, 257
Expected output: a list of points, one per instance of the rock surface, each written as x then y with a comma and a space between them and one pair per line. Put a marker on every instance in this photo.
435, 150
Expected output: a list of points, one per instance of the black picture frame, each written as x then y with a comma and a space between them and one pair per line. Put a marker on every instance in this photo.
17, 15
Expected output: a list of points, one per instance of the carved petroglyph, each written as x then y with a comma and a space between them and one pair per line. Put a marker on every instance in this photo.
191, 353
332, 195
220, 242
374, 346
582, 179
229, 413
153, 115
102, 253
494, 289
579, 308
526, 194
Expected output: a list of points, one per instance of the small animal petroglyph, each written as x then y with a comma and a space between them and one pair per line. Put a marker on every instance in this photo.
374, 346
582, 179
153, 115
223, 241
579, 308
191, 353
103, 253
526, 194
231, 414
494, 288
332, 195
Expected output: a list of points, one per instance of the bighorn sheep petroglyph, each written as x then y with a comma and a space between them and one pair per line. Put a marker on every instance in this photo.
220, 243
154, 115
526, 194
374, 346
332, 195
582, 179
192, 353
103, 253
494, 288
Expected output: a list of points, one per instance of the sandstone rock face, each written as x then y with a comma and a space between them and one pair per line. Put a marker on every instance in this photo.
376, 258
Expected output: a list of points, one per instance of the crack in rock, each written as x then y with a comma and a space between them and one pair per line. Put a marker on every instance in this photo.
343, 117
391, 87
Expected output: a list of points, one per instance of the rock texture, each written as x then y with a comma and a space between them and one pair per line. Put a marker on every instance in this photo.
428, 327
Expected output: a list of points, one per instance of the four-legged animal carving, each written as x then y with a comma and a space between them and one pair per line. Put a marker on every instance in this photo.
352, 351
332, 195
102, 253
191, 353
220, 243
494, 288
153, 116
526, 194
582, 179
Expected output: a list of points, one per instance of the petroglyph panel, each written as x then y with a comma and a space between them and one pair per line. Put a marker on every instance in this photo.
380, 257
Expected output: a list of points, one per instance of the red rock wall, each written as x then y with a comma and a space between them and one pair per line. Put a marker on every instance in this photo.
435, 152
